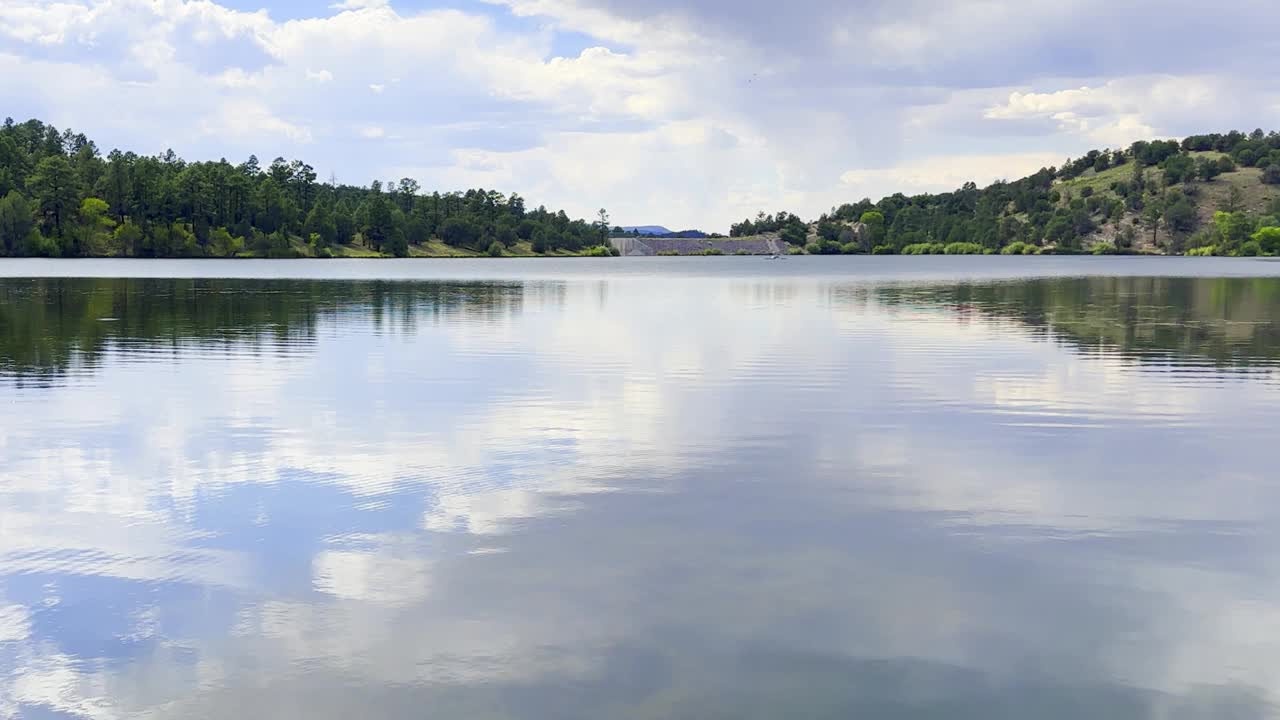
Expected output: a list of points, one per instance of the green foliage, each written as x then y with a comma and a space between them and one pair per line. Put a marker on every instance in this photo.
56, 191
1179, 213
94, 229
1249, 249
1205, 251
163, 206
884, 250
539, 241
1233, 229
222, 244
397, 243
712, 251
963, 248
1207, 169
794, 234
1271, 174
1178, 168
924, 249
778, 223
17, 223
1020, 248
874, 220
1268, 239
129, 238
458, 232
496, 249
600, 251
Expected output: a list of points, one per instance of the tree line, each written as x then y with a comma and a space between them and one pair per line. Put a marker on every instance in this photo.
1155, 187
60, 197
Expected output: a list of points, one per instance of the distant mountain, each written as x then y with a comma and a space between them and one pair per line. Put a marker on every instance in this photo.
659, 231
647, 229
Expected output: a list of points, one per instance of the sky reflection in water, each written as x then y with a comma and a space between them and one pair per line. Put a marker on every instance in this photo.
639, 496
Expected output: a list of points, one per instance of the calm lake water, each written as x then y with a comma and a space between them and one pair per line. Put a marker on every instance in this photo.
643, 488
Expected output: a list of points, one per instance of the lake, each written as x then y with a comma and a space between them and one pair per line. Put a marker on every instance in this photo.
936, 487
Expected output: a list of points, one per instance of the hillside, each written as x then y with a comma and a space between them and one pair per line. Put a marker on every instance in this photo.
1207, 194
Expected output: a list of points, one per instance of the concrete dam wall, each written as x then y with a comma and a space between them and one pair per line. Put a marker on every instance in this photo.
643, 246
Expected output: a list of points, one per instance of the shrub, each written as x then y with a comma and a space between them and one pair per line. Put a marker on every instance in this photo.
813, 248
1268, 238
712, 251
1249, 249
1204, 251
883, 250
924, 249
963, 248
668, 253
495, 249
598, 251
1104, 248
1018, 248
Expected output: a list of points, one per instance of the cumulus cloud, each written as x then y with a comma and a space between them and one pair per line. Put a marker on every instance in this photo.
733, 111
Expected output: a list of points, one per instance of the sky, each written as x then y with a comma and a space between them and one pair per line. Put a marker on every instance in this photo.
686, 113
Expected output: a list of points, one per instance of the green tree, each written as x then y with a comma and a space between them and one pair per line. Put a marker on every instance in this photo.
874, 220
539, 240
1180, 214
320, 222
129, 238
55, 188
1152, 215
1235, 199
94, 228
458, 232
1268, 238
1234, 228
1178, 168
376, 220
17, 223
1208, 169
397, 244
602, 226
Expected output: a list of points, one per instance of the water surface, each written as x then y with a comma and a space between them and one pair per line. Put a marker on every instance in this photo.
666, 488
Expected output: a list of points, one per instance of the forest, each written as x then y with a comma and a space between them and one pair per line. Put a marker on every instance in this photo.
1215, 194
59, 197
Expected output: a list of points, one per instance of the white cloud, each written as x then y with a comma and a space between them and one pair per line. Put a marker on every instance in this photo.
948, 172
790, 103
372, 132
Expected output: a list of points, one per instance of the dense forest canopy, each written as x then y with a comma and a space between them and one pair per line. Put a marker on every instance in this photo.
1207, 194
59, 197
